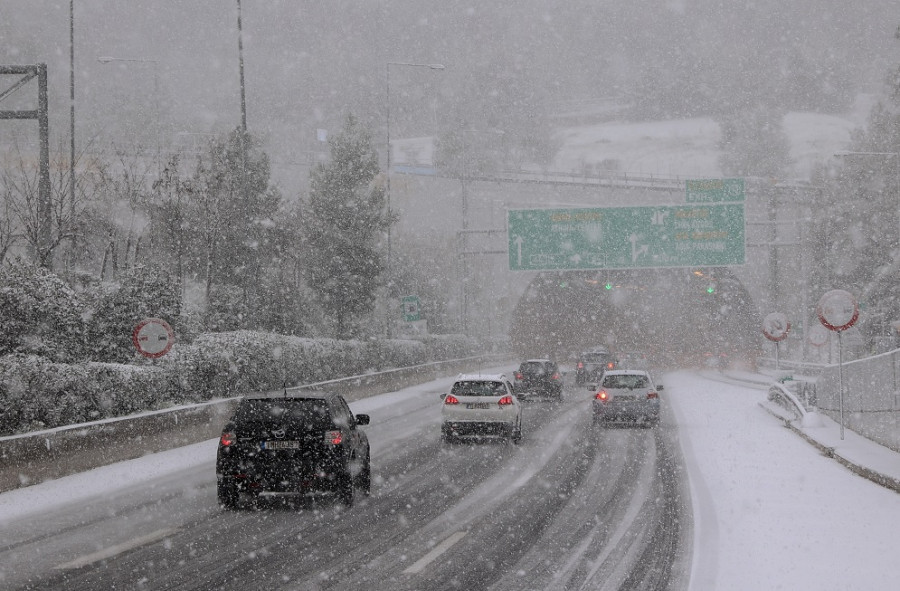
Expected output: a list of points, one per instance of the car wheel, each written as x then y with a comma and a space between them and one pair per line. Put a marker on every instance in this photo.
365, 478
516, 436
345, 489
228, 495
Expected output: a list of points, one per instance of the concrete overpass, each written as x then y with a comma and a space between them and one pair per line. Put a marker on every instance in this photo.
470, 214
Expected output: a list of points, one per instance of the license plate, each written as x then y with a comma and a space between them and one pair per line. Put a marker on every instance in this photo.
281, 445
478, 405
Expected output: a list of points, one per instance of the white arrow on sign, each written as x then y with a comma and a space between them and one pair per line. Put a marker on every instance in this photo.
635, 250
519, 240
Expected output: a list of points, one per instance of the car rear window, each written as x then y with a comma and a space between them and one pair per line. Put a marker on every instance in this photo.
597, 357
535, 368
478, 388
625, 381
310, 413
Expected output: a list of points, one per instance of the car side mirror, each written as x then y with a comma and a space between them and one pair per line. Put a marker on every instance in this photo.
362, 419
443, 396
659, 387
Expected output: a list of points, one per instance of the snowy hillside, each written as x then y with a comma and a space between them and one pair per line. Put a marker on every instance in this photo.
688, 148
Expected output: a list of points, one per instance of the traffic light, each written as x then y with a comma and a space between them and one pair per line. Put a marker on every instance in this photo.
711, 288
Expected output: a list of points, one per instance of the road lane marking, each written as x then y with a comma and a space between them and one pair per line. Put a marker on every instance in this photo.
117, 549
420, 564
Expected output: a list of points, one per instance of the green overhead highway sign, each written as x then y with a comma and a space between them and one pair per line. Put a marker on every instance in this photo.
713, 190
626, 237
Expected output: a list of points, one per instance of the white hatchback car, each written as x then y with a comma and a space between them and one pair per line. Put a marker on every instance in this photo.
481, 406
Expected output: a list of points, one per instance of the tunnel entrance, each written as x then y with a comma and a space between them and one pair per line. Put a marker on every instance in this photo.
680, 317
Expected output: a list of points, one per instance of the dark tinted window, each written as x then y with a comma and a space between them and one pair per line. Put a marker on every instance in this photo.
478, 388
625, 381
535, 368
311, 413
596, 357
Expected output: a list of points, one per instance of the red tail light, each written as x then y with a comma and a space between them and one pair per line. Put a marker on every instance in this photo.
610, 365
226, 439
334, 437
451, 399
601, 395
518, 375
652, 394
505, 400
555, 376
580, 365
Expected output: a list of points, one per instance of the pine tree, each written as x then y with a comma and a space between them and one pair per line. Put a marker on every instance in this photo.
347, 219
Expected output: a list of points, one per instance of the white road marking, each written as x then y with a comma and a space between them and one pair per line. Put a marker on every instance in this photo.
420, 564
117, 549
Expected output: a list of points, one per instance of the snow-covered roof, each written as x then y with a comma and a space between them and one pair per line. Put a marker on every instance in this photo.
481, 377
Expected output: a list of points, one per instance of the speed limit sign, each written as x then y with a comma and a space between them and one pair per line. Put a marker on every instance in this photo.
153, 337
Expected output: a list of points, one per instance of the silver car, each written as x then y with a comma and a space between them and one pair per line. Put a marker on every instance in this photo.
626, 395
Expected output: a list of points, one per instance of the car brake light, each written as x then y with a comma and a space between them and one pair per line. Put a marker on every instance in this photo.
610, 365
580, 365
334, 437
601, 395
451, 399
555, 376
227, 439
652, 394
518, 375
505, 400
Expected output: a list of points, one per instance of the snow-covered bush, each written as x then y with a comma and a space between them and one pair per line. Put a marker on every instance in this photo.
37, 394
118, 389
40, 314
140, 293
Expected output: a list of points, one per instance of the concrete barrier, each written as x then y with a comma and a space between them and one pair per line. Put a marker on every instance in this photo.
31, 458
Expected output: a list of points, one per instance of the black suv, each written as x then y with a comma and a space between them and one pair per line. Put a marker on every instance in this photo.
295, 443
591, 364
539, 377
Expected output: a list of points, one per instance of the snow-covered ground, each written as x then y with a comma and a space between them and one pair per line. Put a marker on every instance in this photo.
771, 512
688, 148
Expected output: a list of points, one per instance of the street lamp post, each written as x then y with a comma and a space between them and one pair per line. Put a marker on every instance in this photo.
107, 59
387, 186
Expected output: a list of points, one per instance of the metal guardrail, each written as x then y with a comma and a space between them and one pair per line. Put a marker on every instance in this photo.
787, 400
30, 458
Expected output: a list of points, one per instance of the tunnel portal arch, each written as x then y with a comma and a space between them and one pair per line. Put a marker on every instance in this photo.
680, 316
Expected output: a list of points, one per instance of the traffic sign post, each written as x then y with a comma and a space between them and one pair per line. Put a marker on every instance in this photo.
776, 327
838, 310
153, 337
411, 307
626, 237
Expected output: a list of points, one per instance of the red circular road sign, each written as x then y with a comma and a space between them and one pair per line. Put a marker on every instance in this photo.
776, 326
153, 337
837, 310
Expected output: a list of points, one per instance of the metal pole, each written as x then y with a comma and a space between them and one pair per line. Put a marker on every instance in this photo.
387, 182
72, 237
841, 380
156, 94
45, 207
241, 67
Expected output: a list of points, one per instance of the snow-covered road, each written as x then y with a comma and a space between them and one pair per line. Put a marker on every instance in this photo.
770, 512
